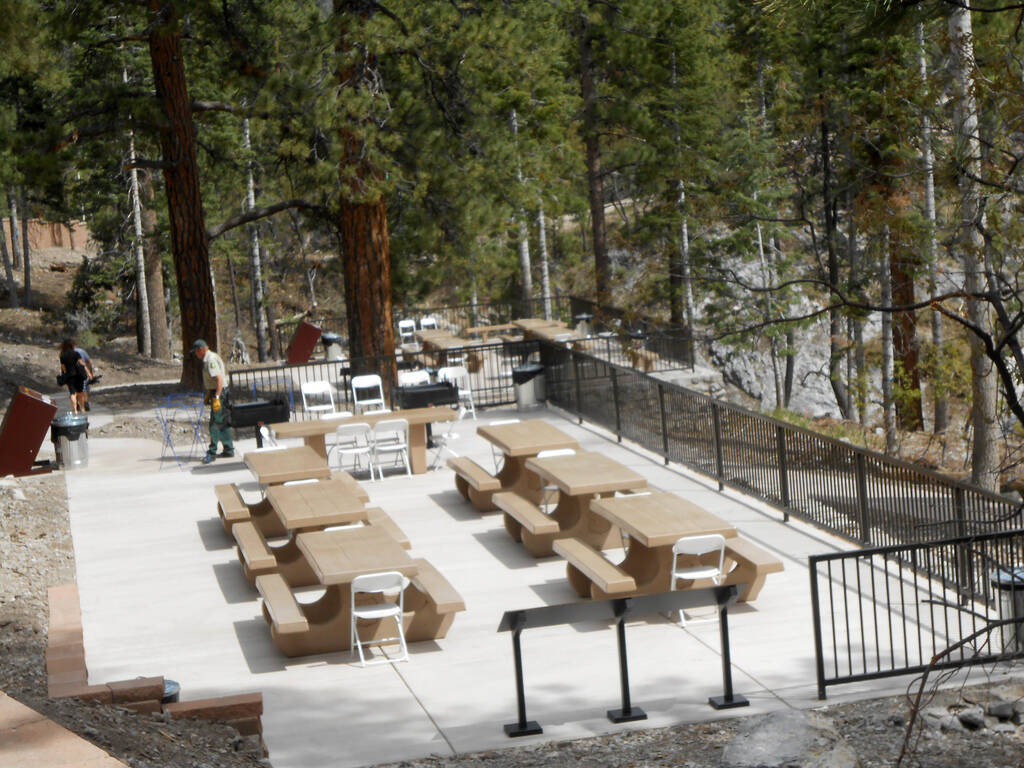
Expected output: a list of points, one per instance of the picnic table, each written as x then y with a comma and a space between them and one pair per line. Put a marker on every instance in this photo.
298, 508
439, 343
314, 432
654, 522
279, 466
580, 477
521, 441
336, 557
533, 326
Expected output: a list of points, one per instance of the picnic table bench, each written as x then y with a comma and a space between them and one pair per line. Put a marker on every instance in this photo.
751, 566
475, 483
527, 523
590, 571
486, 330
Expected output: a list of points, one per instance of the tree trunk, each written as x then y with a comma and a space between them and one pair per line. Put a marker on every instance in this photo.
12, 285
159, 331
595, 176
971, 244
939, 397
275, 344
259, 310
542, 246
525, 267
26, 254
836, 348
904, 343
189, 244
888, 414
145, 332
12, 201
234, 295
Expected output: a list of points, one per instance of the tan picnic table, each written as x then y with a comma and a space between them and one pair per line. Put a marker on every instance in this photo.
653, 522
438, 343
279, 466
296, 509
314, 431
580, 477
335, 557
553, 332
530, 326
521, 441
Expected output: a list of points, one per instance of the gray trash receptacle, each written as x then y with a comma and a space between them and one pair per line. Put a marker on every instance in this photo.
332, 345
69, 433
528, 381
1009, 585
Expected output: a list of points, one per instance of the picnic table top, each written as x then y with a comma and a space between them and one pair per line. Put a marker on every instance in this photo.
336, 501
324, 425
338, 556
526, 438
280, 466
551, 332
584, 473
660, 519
532, 323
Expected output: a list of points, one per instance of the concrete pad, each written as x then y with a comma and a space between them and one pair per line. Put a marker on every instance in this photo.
162, 593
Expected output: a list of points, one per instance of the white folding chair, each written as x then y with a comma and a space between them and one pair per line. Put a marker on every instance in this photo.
267, 437
407, 331
700, 547
390, 437
368, 394
443, 441
381, 587
317, 397
459, 376
355, 440
413, 378
428, 322
549, 493
497, 455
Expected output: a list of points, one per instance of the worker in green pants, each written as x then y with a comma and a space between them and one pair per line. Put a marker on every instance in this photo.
216, 396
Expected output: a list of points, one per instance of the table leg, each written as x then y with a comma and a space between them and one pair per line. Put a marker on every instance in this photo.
576, 520
516, 478
418, 448
318, 443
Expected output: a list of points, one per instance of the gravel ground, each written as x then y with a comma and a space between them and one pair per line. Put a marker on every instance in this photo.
36, 552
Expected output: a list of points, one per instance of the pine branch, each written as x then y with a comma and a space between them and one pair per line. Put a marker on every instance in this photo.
258, 213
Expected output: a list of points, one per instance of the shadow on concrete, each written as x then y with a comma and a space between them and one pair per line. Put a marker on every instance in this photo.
510, 553
213, 535
233, 584
455, 506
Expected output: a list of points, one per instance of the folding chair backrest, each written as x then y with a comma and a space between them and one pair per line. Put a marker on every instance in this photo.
350, 434
391, 429
457, 374
314, 393
556, 452
406, 330
376, 583
428, 322
699, 545
300, 482
367, 390
413, 378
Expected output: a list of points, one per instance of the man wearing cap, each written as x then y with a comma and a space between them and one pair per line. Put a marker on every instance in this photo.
216, 389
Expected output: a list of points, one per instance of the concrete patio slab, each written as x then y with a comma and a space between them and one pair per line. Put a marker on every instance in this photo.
162, 592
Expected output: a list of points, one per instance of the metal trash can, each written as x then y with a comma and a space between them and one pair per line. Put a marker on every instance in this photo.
332, 345
528, 381
1009, 583
69, 433
172, 691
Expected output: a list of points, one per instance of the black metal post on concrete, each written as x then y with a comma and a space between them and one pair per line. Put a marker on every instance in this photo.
728, 699
627, 713
522, 727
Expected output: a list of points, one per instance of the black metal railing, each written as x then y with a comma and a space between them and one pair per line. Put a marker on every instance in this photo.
462, 316
489, 366
861, 495
896, 610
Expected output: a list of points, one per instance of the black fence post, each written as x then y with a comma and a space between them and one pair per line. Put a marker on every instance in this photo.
716, 419
965, 574
576, 376
664, 422
522, 727
615, 402
860, 465
819, 653
780, 447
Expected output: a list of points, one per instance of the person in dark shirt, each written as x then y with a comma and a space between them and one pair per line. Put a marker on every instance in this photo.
72, 367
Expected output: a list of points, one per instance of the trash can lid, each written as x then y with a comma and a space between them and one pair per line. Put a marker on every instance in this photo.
526, 372
69, 419
1008, 578
330, 338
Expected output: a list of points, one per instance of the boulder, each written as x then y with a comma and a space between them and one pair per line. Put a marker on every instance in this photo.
789, 739
972, 718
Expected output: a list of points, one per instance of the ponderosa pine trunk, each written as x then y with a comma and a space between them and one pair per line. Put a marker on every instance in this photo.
159, 334
189, 244
595, 176
970, 245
